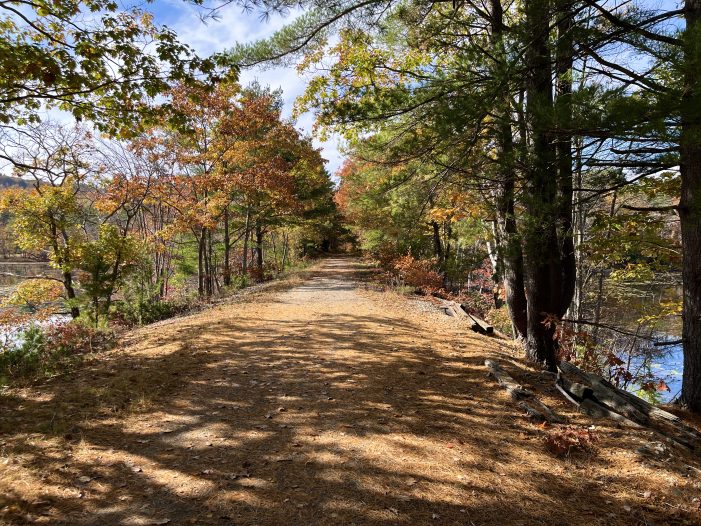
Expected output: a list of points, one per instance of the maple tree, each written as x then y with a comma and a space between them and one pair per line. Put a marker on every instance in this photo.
105, 210
98, 60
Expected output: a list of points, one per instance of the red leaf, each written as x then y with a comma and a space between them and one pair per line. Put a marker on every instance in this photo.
662, 386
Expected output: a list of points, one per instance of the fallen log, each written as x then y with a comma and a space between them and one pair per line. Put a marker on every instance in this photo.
526, 399
585, 400
460, 311
635, 408
610, 396
482, 326
457, 310
604, 386
452, 309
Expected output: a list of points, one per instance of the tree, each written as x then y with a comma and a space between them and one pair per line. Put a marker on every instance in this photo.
49, 216
103, 263
690, 203
273, 175
92, 59
411, 71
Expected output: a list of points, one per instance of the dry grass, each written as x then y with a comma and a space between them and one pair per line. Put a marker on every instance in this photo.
316, 403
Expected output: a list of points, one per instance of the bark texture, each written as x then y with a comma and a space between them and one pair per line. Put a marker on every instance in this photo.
690, 207
542, 262
510, 256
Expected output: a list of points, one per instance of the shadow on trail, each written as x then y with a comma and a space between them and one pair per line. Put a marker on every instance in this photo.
344, 419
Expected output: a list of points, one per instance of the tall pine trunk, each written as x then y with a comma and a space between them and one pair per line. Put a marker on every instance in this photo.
247, 228
542, 262
510, 255
437, 244
563, 115
690, 207
285, 249
209, 251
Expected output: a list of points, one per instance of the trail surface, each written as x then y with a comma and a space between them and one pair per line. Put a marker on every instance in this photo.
324, 402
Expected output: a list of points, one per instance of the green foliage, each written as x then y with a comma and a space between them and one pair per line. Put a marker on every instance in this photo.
141, 301
500, 319
49, 219
239, 281
142, 309
33, 295
105, 262
42, 350
94, 59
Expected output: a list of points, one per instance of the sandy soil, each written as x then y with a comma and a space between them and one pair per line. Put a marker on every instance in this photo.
323, 402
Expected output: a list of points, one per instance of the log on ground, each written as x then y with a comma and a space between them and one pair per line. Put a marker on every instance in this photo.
526, 399
622, 403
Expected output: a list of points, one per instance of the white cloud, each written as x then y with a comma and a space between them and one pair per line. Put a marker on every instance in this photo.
236, 25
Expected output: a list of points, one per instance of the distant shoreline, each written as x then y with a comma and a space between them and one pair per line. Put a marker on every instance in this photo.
22, 262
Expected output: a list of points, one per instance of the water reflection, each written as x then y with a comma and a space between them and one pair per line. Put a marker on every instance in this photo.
626, 305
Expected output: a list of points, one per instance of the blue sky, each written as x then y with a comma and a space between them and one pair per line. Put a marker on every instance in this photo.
237, 25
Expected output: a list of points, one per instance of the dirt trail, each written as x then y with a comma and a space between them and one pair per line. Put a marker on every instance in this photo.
324, 404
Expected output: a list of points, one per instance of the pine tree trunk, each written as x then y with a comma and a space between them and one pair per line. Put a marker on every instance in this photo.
210, 263
244, 261
563, 115
200, 266
510, 255
542, 262
273, 244
577, 309
690, 207
437, 245
285, 250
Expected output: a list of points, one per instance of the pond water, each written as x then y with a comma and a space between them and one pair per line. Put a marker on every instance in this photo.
669, 368
626, 304
12, 272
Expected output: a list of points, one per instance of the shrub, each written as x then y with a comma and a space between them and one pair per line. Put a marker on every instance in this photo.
142, 302
418, 273
22, 351
41, 350
238, 281
144, 310
477, 303
69, 339
500, 319
386, 255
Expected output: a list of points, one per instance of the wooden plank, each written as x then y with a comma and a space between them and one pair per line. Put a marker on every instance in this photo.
585, 399
484, 327
526, 399
632, 407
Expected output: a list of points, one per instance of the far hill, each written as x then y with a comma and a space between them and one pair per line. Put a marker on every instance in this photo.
8, 180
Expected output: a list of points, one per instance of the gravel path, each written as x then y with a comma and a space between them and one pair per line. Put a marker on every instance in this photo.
325, 403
